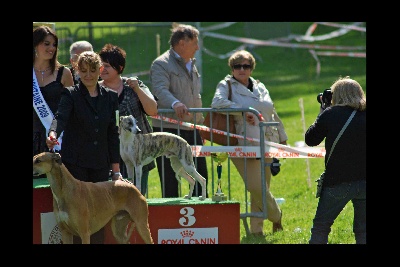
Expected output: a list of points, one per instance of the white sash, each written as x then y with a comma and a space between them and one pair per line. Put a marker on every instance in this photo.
42, 109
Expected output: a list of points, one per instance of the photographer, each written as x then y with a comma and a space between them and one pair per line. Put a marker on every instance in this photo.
345, 172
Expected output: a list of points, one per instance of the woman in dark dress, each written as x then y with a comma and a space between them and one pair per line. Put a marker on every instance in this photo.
51, 77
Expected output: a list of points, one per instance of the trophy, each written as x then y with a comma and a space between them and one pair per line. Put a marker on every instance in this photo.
219, 157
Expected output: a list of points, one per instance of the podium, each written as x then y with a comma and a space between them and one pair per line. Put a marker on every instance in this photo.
171, 220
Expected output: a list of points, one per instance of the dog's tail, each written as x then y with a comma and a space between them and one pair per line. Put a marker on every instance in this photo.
119, 226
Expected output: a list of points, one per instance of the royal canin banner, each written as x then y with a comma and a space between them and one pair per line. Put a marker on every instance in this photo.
272, 150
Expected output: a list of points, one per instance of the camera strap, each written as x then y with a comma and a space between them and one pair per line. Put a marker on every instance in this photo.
340, 134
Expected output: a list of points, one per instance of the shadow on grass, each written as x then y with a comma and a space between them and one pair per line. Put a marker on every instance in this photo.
256, 239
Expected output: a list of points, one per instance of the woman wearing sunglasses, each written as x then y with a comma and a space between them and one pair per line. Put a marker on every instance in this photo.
249, 92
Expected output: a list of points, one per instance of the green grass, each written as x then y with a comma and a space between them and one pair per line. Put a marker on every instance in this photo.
290, 75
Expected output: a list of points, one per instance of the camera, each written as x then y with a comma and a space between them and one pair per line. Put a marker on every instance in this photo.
326, 98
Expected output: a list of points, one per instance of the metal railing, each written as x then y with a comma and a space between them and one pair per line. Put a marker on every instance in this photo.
195, 111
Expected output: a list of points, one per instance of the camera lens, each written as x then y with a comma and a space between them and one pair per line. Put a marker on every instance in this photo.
327, 97
319, 98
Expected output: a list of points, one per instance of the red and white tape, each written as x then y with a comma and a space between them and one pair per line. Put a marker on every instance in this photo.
271, 149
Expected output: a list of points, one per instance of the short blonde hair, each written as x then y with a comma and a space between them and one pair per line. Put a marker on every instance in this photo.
348, 92
92, 59
239, 56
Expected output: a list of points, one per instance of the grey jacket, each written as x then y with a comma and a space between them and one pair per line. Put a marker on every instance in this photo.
259, 99
171, 81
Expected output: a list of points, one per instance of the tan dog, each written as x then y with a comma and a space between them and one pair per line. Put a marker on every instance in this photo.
138, 150
83, 208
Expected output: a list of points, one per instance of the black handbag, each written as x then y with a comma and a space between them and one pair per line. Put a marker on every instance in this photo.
275, 166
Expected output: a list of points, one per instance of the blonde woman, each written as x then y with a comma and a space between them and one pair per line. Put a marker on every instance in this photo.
87, 116
346, 170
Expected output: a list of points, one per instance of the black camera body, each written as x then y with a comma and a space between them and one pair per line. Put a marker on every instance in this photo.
326, 98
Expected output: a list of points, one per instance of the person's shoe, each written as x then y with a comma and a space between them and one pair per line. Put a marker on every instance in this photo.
277, 226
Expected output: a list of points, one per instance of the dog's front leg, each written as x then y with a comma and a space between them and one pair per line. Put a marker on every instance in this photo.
86, 239
138, 177
130, 169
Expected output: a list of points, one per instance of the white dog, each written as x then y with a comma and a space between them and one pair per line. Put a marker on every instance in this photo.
138, 150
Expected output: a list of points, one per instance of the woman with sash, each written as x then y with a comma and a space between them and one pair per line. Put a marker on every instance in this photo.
49, 78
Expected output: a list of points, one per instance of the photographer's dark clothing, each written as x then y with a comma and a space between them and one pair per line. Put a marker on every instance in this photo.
348, 161
332, 202
345, 173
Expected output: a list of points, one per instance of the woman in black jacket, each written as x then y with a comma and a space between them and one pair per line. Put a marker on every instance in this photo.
87, 115
346, 170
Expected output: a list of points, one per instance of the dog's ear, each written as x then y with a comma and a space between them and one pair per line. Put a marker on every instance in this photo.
57, 158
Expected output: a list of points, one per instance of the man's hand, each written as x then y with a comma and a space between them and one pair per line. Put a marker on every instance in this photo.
180, 110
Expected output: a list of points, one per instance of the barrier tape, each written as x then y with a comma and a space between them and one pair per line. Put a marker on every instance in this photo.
254, 151
346, 26
344, 29
279, 44
271, 149
341, 54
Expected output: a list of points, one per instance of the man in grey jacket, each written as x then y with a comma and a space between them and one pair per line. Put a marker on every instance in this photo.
175, 81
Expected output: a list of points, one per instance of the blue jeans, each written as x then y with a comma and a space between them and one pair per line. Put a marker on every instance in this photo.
331, 203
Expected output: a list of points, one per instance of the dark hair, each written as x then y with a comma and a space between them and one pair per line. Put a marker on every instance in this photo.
182, 31
39, 34
113, 55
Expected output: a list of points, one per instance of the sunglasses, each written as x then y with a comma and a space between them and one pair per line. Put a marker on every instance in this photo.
239, 66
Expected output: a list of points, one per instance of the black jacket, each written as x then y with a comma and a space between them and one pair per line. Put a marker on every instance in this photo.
348, 161
90, 138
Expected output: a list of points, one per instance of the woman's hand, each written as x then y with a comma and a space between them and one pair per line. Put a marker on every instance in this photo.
133, 83
51, 141
250, 118
116, 176
148, 102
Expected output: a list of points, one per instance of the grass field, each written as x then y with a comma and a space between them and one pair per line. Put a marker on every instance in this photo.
290, 76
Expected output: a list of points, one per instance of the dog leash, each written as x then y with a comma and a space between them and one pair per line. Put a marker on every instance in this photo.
52, 139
